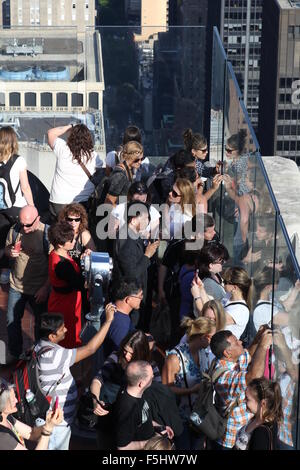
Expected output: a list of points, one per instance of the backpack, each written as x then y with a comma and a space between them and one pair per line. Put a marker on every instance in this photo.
46, 244
26, 376
249, 333
205, 418
7, 194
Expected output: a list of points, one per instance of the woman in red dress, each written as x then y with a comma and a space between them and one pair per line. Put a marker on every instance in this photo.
66, 282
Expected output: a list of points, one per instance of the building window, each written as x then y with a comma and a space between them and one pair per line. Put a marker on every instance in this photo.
77, 99
94, 100
46, 99
2, 99
14, 99
30, 99
62, 99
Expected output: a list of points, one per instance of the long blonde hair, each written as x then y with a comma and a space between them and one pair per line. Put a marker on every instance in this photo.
8, 143
187, 193
219, 312
198, 326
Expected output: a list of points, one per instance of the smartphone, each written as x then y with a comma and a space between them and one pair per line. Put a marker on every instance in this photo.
17, 246
55, 405
106, 406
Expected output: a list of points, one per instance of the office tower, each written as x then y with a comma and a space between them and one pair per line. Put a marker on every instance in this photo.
240, 29
279, 115
151, 15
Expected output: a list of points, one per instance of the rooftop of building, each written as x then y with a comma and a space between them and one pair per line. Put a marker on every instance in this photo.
34, 52
287, 4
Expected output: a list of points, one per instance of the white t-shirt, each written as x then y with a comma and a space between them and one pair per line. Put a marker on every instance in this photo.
177, 221
19, 165
119, 210
239, 311
263, 312
70, 183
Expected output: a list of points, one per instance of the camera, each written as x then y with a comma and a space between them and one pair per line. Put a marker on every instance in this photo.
97, 270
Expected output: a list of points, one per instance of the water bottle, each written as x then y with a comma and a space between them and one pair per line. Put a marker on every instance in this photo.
31, 400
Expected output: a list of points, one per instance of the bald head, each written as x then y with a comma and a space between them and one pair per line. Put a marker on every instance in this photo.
29, 215
138, 371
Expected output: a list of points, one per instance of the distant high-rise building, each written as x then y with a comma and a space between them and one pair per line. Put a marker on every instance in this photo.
151, 15
79, 13
279, 114
241, 27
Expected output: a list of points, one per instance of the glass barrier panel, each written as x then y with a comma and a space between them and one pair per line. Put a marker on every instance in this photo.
285, 321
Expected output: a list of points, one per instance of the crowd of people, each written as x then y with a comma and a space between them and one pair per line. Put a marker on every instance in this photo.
179, 302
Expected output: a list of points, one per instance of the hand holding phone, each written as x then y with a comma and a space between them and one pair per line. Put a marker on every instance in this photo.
55, 405
17, 246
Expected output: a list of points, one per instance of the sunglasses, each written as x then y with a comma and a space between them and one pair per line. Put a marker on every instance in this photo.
138, 159
228, 150
137, 297
29, 225
220, 261
204, 150
226, 283
175, 194
75, 219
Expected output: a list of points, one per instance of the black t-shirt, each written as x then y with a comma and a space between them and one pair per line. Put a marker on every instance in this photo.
132, 419
264, 437
8, 439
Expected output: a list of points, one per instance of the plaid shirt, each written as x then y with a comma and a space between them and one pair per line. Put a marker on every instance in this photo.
285, 427
231, 386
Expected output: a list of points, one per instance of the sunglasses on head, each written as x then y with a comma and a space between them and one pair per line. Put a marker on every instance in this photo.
75, 219
175, 194
228, 150
28, 225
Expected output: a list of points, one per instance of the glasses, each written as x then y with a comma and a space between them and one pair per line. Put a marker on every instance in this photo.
228, 150
140, 297
175, 194
227, 283
219, 261
138, 159
73, 219
204, 150
28, 225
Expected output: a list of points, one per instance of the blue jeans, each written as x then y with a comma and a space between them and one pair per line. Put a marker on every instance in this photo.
60, 438
15, 311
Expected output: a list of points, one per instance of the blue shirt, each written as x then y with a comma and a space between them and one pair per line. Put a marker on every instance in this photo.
120, 326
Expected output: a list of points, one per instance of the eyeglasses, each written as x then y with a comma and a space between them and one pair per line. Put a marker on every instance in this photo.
219, 261
29, 225
175, 194
204, 150
138, 159
140, 297
73, 219
228, 150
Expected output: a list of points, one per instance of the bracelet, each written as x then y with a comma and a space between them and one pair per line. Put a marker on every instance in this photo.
197, 298
43, 433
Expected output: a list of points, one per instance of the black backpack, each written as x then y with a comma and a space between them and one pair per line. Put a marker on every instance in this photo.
7, 194
205, 418
26, 376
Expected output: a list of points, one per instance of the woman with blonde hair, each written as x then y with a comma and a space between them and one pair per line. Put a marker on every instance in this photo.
183, 368
122, 175
181, 206
15, 191
239, 289
213, 309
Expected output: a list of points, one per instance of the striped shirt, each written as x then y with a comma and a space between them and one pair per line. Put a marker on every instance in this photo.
52, 365
231, 386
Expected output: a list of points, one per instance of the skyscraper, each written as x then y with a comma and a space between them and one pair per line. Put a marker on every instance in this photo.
279, 116
241, 27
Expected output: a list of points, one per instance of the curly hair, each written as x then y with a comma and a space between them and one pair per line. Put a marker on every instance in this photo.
60, 233
80, 142
78, 211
